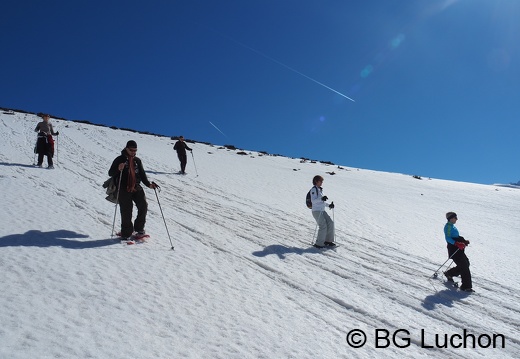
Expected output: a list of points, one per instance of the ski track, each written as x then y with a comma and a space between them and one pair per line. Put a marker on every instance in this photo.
229, 226
367, 261
224, 215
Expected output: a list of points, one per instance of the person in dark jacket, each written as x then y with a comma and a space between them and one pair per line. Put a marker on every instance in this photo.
132, 173
181, 147
45, 142
456, 246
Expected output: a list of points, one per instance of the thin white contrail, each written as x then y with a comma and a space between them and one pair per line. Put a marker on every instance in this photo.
218, 129
287, 67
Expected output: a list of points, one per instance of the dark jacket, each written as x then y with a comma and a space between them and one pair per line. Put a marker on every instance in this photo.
140, 174
181, 147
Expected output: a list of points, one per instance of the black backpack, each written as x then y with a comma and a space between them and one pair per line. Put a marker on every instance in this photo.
111, 186
308, 200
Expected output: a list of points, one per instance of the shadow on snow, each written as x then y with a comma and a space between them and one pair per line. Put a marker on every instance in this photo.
281, 251
17, 165
61, 238
444, 297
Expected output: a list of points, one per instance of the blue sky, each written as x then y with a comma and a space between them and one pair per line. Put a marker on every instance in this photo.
435, 82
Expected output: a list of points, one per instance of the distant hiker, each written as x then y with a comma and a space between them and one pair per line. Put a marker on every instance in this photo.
456, 246
181, 147
45, 142
132, 173
325, 235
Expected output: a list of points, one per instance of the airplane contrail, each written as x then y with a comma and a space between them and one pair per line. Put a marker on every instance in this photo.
284, 65
217, 128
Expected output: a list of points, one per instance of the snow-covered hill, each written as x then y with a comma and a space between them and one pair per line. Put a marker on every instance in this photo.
243, 281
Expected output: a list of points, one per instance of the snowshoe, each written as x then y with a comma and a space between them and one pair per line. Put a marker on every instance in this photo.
141, 237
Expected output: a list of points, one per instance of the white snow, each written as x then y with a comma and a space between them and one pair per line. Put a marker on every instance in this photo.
243, 281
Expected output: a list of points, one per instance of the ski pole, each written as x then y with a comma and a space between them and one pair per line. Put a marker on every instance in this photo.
57, 143
197, 172
436, 272
117, 202
334, 223
162, 214
35, 150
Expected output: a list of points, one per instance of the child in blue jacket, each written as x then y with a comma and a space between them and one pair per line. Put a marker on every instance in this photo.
456, 246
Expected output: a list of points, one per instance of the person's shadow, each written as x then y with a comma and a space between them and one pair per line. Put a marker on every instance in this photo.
281, 251
444, 297
60, 238
17, 165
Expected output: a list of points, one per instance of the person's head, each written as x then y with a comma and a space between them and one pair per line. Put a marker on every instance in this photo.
46, 117
131, 147
317, 180
181, 138
451, 217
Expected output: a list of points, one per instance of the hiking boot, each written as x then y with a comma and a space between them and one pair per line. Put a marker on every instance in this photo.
330, 244
318, 246
50, 167
469, 290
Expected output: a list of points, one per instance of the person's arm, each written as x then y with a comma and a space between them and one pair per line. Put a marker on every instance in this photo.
52, 130
114, 169
316, 198
142, 174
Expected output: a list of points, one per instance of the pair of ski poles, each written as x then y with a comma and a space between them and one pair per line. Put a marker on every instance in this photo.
156, 195
436, 273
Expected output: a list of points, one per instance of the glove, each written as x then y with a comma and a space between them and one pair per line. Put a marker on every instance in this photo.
57, 133
460, 245
331, 206
462, 239
324, 198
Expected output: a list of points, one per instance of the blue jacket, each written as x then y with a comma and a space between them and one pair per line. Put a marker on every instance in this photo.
451, 232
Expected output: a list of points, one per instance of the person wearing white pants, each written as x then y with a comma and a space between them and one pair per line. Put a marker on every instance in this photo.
325, 237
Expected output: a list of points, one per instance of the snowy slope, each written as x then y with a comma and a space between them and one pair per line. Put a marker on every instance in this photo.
243, 281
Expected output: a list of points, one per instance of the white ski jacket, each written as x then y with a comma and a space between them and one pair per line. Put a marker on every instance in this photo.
317, 204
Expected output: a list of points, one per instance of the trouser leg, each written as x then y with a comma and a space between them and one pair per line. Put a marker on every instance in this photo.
465, 274
322, 227
184, 161
329, 237
142, 210
49, 159
126, 208
461, 269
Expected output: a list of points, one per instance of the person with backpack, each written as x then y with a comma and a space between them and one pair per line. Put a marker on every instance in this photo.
181, 147
318, 203
132, 173
45, 142
456, 246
